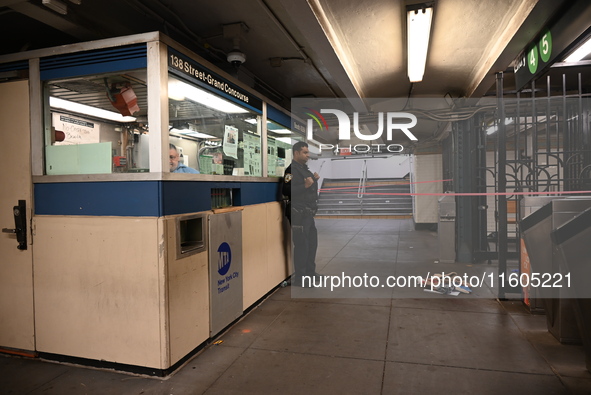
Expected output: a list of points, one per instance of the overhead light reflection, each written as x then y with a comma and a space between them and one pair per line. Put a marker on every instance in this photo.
179, 90
581, 52
84, 109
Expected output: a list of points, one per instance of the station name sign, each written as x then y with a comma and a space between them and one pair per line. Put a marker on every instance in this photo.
211, 80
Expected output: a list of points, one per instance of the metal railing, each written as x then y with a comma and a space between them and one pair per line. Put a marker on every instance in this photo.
362, 180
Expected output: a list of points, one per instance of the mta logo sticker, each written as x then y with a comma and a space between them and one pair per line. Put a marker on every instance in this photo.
224, 258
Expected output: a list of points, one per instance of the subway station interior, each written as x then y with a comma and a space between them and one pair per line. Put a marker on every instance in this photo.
145, 246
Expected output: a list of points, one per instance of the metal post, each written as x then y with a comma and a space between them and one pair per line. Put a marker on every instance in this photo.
502, 186
464, 181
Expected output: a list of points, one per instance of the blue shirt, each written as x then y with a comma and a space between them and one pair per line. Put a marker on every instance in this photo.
185, 169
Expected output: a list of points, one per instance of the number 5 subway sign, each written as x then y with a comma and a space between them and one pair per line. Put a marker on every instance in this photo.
541, 52
533, 59
553, 41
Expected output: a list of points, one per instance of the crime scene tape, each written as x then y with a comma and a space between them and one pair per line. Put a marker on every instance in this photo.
343, 191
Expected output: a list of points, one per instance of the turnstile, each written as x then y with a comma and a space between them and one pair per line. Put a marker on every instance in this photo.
573, 249
536, 229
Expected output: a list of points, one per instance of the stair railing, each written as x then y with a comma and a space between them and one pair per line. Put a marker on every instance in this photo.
362, 180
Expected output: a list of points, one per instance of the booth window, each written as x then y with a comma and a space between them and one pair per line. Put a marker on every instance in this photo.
211, 134
97, 124
279, 142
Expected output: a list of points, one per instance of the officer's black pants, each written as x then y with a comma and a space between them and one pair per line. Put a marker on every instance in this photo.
305, 240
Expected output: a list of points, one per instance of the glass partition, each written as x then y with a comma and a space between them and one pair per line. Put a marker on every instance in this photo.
279, 142
211, 135
97, 124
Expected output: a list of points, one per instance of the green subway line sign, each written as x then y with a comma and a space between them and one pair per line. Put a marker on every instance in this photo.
533, 59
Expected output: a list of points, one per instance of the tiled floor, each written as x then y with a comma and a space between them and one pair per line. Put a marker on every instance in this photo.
355, 341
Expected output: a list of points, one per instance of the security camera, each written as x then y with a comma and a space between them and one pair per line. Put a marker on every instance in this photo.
236, 58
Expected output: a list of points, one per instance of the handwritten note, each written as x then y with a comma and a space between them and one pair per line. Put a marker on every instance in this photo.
77, 131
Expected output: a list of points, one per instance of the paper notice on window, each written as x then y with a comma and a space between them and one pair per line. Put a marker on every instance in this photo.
205, 164
231, 142
271, 156
252, 155
76, 130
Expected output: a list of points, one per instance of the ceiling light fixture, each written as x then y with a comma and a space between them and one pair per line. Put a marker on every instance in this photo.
418, 25
280, 131
192, 133
179, 90
287, 140
67, 105
581, 52
56, 5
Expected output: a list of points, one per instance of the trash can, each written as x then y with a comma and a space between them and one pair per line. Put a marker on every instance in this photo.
446, 229
572, 246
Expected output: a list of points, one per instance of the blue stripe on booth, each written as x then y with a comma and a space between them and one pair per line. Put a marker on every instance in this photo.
125, 198
143, 198
256, 193
94, 62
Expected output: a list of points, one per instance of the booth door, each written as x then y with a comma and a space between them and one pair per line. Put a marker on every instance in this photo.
16, 267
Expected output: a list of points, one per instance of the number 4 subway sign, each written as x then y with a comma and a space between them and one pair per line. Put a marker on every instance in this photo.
530, 63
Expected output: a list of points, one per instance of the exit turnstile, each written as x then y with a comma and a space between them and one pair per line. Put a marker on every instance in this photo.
536, 229
573, 250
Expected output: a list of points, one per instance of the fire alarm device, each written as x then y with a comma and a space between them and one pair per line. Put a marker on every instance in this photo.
119, 161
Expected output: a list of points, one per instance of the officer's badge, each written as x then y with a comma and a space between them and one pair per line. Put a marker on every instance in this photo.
288, 177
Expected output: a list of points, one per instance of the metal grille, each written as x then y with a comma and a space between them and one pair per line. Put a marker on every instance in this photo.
548, 146
544, 132
535, 140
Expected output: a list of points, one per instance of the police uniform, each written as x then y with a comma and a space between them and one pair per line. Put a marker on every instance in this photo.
304, 203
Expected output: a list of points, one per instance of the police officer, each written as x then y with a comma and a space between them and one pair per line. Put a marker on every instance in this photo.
301, 186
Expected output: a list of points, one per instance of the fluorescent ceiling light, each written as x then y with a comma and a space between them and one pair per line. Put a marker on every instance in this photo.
287, 140
273, 127
192, 133
252, 121
418, 24
179, 90
279, 131
581, 52
88, 110
56, 5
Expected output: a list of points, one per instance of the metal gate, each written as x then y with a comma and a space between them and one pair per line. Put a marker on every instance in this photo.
536, 140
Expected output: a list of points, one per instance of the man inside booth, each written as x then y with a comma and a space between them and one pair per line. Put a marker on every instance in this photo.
175, 166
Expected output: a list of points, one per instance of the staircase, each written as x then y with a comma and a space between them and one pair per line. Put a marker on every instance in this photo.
343, 198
